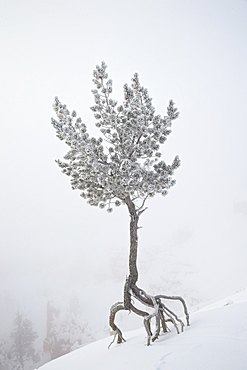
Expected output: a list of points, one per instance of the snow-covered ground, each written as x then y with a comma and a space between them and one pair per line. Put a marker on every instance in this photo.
216, 340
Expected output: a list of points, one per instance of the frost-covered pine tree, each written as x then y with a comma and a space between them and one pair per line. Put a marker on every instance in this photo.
6, 360
123, 166
66, 330
23, 340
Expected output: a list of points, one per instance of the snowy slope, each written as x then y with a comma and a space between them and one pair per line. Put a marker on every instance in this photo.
216, 339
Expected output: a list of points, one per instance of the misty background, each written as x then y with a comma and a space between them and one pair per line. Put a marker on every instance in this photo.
53, 244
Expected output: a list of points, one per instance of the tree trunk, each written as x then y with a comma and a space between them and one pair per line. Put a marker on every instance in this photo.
162, 313
134, 218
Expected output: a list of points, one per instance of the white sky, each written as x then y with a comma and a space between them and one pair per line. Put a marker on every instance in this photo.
194, 52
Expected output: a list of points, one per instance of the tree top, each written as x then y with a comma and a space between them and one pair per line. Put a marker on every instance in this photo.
125, 159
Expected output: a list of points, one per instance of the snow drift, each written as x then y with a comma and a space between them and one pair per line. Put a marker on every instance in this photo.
216, 339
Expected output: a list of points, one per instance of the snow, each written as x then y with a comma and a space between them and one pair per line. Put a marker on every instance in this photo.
216, 339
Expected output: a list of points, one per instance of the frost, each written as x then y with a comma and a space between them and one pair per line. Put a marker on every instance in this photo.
124, 161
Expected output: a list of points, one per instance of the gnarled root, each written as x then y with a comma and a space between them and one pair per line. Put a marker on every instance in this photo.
114, 309
161, 312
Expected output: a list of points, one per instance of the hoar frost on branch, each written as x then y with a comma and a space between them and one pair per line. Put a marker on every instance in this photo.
128, 164
123, 167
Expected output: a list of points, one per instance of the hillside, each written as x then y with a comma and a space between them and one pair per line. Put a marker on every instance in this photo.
216, 339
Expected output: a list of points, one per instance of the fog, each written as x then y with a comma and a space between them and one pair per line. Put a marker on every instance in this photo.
53, 244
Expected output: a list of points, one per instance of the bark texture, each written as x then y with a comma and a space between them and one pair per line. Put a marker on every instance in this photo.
161, 313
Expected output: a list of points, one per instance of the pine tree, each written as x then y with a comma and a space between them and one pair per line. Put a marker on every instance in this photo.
8, 357
122, 167
23, 340
5, 356
66, 330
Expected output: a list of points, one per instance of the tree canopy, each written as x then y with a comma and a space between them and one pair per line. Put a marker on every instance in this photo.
125, 159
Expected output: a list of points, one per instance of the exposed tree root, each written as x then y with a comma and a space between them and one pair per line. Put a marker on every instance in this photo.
161, 313
114, 309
